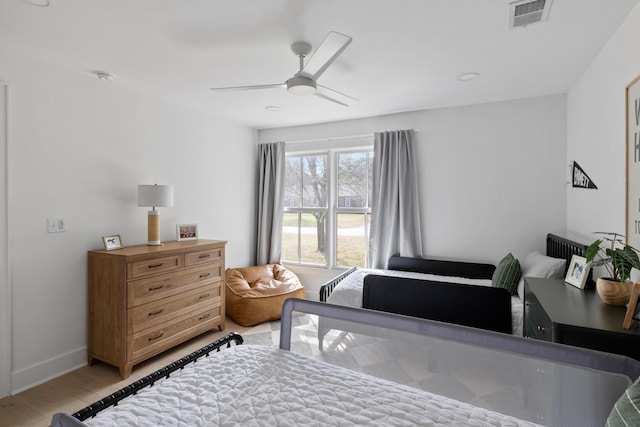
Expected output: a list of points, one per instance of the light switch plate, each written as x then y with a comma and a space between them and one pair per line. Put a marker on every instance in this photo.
55, 225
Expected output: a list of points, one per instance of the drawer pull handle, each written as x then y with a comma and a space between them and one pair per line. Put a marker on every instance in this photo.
155, 288
206, 316
156, 265
205, 275
204, 296
204, 256
153, 313
541, 329
157, 336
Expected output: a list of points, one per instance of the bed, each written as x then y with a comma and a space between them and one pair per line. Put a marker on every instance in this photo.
468, 305
517, 382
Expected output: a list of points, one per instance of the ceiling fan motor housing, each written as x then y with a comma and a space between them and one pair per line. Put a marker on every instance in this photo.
300, 85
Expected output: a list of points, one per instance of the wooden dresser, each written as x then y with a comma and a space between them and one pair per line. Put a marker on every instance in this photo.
144, 299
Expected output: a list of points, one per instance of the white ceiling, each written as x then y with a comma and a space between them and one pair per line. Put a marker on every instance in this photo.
405, 55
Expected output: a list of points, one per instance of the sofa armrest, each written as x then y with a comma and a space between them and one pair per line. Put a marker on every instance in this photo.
476, 306
471, 270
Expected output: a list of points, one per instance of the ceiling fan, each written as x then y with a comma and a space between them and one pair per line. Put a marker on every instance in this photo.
304, 82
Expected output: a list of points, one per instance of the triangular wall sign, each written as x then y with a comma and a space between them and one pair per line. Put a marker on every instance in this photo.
581, 179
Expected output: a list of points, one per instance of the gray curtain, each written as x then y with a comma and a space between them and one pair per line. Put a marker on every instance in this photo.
395, 210
270, 192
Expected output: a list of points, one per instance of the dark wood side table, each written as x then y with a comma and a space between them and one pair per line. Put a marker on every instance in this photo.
558, 312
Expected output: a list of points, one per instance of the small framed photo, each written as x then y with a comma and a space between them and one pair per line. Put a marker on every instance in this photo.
577, 272
187, 231
112, 242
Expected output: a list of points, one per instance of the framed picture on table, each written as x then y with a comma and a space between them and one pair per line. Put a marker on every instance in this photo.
577, 272
187, 232
112, 242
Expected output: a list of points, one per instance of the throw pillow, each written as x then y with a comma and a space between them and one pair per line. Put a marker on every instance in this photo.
626, 411
537, 265
507, 274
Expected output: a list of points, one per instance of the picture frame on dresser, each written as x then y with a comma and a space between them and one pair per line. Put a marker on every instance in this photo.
577, 272
186, 232
112, 242
633, 309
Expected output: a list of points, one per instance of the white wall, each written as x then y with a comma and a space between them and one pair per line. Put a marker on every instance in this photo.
492, 176
5, 305
78, 148
596, 132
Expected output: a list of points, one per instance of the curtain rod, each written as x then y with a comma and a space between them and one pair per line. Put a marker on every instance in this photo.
298, 141
367, 135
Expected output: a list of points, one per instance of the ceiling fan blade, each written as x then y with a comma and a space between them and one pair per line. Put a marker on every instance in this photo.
335, 96
325, 54
229, 89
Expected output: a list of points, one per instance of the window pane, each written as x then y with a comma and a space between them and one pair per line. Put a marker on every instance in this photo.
352, 180
352, 243
290, 237
312, 237
314, 182
293, 182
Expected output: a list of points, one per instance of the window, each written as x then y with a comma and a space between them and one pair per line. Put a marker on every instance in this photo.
305, 209
327, 210
353, 213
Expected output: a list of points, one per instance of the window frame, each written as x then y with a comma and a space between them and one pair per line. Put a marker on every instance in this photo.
331, 148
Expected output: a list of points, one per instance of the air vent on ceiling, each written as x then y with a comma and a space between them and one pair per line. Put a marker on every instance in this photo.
526, 12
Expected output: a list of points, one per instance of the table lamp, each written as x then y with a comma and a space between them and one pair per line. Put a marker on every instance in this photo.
154, 196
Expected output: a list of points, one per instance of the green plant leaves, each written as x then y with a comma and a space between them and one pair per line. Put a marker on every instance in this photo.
618, 261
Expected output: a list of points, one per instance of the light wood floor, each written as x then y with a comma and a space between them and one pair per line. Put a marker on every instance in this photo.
75, 390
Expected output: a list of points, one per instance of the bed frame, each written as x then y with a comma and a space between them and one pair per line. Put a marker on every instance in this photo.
575, 396
150, 380
556, 247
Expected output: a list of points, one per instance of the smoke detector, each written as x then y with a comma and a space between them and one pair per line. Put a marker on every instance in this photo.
526, 12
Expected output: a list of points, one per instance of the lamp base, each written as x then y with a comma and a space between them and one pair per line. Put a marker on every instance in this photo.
153, 229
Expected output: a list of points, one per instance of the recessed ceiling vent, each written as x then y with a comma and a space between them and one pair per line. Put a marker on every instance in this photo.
526, 12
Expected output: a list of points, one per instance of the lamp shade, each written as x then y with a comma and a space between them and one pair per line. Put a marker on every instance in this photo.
155, 195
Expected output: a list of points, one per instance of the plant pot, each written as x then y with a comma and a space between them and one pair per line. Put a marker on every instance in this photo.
613, 292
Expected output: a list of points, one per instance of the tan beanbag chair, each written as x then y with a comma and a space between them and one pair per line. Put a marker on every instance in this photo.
256, 294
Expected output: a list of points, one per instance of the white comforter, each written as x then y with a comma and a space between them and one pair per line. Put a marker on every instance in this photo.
349, 291
264, 386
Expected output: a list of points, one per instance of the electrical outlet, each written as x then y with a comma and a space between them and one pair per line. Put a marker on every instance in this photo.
55, 225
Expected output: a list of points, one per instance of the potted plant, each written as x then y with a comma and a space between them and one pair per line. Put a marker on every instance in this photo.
618, 259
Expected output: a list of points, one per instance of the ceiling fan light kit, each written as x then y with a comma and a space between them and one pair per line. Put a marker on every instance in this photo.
304, 82
300, 85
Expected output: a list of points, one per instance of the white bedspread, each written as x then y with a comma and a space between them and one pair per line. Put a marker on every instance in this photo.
349, 291
264, 386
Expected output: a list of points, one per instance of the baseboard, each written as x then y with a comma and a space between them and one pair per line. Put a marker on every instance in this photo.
42, 372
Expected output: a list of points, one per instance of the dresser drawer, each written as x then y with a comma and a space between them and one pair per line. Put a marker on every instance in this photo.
155, 288
154, 266
154, 313
159, 338
203, 257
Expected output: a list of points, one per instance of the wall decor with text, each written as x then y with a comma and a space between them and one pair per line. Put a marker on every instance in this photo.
633, 163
